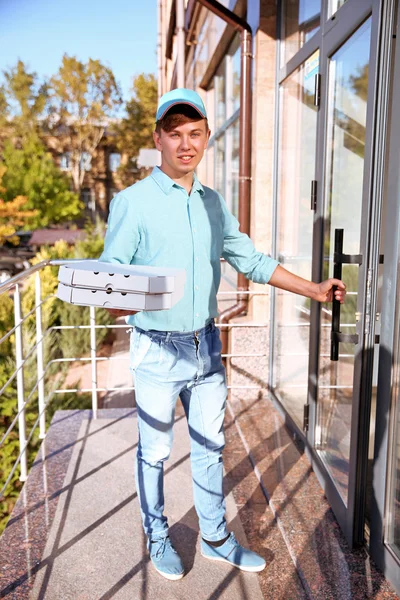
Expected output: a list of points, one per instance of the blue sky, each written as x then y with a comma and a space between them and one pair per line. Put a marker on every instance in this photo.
121, 33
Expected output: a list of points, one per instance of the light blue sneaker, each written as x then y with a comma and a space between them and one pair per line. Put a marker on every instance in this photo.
234, 554
165, 558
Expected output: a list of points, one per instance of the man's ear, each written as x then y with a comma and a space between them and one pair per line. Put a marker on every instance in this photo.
208, 138
157, 141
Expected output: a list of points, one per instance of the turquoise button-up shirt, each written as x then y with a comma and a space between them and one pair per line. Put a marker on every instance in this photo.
155, 222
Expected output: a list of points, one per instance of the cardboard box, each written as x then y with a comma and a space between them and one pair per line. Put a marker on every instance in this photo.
125, 287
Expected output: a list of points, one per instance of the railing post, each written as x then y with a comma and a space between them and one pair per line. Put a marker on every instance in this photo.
93, 359
19, 361
39, 354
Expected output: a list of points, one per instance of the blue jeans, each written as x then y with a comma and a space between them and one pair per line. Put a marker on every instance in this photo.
167, 365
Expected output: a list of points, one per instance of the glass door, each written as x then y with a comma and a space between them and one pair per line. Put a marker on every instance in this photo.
326, 212
384, 508
344, 217
298, 133
339, 379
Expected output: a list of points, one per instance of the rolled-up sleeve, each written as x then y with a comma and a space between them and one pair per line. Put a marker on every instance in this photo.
123, 231
239, 251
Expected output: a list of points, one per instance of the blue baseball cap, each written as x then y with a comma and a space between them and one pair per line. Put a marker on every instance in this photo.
180, 96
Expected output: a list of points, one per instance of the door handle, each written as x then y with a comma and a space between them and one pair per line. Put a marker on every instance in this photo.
340, 259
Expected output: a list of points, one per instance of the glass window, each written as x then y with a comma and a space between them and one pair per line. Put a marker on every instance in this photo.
65, 161
87, 197
86, 161
220, 96
210, 166
233, 78
294, 236
220, 166
301, 20
234, 172
334, 5
347, 120
114, 161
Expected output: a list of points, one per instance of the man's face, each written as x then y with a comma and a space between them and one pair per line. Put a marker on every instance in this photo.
182, 148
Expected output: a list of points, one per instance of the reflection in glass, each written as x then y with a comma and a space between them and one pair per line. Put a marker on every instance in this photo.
294, 236
301, 21
335, 5
347, 113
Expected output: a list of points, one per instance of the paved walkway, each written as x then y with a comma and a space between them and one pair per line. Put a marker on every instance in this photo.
75, 531
96, 548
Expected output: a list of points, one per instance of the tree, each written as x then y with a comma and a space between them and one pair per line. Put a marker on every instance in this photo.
84, 97
359, 82
135, 131
3, 108
23, 99
32, 173
12, 217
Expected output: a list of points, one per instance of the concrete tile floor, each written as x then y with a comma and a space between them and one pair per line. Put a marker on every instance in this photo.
79, 502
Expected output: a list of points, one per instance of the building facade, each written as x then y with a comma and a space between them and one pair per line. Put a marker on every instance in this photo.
325, 201
101, 180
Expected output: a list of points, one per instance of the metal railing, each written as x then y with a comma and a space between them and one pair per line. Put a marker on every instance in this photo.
13, 287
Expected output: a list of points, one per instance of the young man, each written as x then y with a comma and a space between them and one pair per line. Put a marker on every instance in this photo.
170, 220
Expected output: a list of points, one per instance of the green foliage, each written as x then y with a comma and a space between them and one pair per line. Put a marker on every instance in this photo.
56, 345
32, 173
84, 97
24, 97
135, 131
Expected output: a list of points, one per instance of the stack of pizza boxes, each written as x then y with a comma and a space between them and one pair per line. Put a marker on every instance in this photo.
124, 287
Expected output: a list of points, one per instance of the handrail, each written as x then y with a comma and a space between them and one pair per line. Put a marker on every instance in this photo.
52, 262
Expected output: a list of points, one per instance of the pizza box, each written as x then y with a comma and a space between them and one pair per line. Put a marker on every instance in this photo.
119, 300
125, 287
96, 275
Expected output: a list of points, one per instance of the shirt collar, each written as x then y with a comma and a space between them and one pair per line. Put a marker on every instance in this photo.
166, 183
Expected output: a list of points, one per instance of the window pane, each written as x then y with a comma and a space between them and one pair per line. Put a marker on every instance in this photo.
347, 119
220, 95
220, 166
210, 166
115, 161
334, 5
235, 168
233, 78
301, 20
294, 240
86, 161
65, 161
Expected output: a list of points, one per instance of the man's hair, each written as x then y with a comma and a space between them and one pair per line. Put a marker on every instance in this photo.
178, 115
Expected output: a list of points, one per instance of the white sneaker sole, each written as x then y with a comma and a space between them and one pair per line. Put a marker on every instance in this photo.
169, 576
228, 562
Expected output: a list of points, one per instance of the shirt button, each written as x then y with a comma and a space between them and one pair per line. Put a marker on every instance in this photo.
194, 229
196, 287
197, 315
197, 260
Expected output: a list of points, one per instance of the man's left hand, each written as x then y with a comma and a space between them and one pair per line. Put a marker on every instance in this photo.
325, 292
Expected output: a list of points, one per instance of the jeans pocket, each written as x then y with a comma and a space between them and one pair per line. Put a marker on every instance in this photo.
216, 342
139, 347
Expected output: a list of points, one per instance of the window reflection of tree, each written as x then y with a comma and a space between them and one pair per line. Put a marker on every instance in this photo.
354, 132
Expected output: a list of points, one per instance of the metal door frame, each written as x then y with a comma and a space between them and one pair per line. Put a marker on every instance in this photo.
389, 339
331, 36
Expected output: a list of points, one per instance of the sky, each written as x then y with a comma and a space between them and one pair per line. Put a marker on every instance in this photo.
122, 34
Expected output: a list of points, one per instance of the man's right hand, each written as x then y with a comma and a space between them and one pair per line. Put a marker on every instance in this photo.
116, 312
